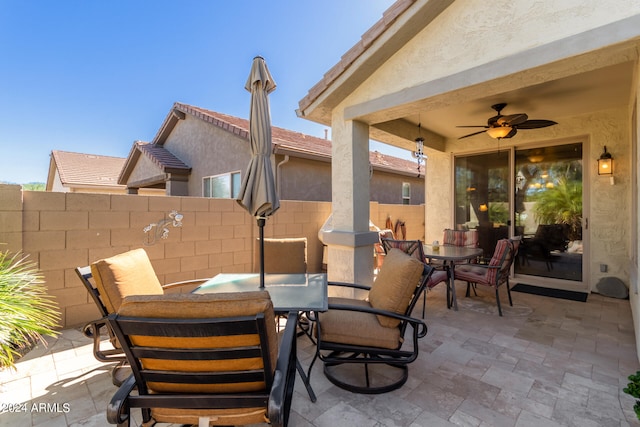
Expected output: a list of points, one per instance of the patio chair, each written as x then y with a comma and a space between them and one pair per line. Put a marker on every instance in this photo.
283, 256
414, 248
204, 360
466, 238
358, 338
109, 281
494, 274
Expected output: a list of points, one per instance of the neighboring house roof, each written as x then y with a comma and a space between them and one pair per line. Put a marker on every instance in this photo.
161, 157
84, 170
284, 141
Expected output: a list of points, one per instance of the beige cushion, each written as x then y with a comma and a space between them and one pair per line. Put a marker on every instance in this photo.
395, 284
283, 256
129, 273
357, 328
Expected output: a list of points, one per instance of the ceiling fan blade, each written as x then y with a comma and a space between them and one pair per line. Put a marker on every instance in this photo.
513, 119
471, 134
486, 127
536, 124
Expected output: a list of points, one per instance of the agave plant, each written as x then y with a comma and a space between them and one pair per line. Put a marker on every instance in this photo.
26, 311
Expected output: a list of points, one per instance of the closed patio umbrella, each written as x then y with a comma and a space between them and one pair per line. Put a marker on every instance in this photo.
258, 191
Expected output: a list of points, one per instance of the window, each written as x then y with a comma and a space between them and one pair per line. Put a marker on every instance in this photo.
225, 186
406, 193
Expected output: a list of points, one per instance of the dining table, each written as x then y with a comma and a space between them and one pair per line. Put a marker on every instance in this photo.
451, 255
289, 293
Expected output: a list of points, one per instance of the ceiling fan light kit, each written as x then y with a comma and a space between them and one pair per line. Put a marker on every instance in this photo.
499, 132
506, 126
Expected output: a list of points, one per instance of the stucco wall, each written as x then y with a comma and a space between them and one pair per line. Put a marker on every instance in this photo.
207, 149
303, 179
61, 231
473, 32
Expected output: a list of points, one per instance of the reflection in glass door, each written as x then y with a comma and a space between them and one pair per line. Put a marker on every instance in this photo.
482, 197
548, 211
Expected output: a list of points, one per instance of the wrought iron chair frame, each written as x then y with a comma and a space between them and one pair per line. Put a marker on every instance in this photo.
335, 354
276, 397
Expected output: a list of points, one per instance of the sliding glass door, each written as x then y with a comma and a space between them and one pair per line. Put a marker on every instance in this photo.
482, 196
548, 211
534, 193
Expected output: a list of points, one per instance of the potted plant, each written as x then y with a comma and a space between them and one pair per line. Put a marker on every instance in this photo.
26, 311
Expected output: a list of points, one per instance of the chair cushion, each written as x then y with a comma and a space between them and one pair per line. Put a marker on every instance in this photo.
356, 328
395, 285
438, 276
129, 273
466, 238
283, 256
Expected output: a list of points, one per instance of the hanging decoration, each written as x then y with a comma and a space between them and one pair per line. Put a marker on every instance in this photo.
418, 154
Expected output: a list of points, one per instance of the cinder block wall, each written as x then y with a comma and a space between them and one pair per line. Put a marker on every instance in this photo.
61, 231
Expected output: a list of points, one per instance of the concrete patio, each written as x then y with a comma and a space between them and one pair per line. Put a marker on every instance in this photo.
547, 362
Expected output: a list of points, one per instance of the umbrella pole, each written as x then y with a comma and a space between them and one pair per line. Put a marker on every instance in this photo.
261, 221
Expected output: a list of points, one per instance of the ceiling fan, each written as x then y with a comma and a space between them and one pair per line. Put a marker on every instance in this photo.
501, 126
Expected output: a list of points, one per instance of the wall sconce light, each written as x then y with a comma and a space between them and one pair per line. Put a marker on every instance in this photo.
162, 230
605, 164
483, 207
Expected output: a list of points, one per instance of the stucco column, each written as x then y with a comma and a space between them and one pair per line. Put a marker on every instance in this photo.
350, 241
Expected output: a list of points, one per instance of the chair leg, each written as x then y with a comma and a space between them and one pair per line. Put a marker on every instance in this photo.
509, 293
424, 302
498, 301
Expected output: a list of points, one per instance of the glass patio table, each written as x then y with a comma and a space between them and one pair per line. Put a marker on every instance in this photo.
289, 293
450, 255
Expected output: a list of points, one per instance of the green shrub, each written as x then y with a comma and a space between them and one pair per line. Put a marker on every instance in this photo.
26, 311
633, 389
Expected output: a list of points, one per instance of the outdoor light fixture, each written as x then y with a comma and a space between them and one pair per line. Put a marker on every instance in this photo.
605, 165
499, 132
418, 154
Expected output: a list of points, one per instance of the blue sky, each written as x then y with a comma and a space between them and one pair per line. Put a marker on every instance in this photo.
94, 76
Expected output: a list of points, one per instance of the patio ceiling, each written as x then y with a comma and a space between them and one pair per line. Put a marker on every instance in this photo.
586, 92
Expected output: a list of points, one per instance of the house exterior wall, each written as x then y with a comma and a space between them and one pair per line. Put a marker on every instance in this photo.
207, 149
465, 36
144, 168
61, 231
304, 179
387, 187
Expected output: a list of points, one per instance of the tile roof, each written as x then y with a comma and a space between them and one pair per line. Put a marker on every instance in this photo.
87, 169
162, 157
292, 141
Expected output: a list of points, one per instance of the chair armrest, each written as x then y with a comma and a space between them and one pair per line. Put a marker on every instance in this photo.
92, 331
194, 282
412, 320
118, 410
350, 285
284, 376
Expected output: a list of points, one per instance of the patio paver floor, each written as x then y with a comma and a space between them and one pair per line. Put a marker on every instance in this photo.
547, 362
